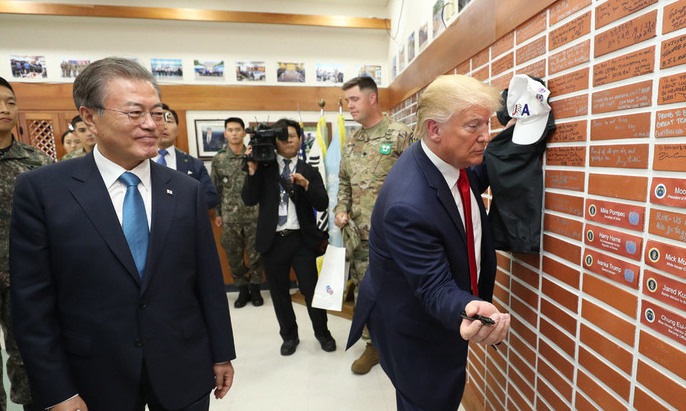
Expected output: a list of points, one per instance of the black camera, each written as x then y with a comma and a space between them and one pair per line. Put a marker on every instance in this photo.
263, 142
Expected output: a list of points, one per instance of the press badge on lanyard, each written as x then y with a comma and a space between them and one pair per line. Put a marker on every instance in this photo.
385, 149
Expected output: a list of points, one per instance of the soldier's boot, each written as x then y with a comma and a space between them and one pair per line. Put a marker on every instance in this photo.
367, 360
255, 295
243, 296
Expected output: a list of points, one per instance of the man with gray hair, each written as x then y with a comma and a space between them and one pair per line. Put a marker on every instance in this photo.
118, 297
432, 261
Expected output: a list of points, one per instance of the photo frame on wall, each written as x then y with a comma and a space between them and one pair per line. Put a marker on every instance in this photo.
209, 137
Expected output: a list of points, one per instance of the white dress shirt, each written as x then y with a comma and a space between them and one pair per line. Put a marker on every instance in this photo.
451, 175
110, 172
292, 222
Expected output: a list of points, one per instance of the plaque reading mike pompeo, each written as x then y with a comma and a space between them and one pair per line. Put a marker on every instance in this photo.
615, 214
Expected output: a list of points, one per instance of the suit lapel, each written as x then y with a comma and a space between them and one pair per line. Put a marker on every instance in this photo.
437, 182
163, 203
90, 192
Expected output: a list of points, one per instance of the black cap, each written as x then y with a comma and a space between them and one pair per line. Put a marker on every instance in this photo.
4, 83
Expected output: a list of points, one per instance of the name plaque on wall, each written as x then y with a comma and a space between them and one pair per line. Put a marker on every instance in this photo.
674, 17
666, 257
669, 192
614, 241
623, 67
670, 157
670, 123
673, 52
615, 214
612, 268
668, 224
623, 98
665, 289
664, 321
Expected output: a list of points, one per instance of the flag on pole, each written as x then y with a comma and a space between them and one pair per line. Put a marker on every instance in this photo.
332, 162
315, 158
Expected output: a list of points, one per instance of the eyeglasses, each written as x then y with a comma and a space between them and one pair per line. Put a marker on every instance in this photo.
138, 116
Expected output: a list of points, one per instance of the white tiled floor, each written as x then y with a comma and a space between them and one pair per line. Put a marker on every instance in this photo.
309, 380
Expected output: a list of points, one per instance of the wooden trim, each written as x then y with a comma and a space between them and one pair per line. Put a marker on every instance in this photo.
58, 97
184, 14
476, 28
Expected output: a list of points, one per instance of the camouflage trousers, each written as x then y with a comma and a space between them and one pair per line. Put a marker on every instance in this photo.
20, 393
358, 267
238, 242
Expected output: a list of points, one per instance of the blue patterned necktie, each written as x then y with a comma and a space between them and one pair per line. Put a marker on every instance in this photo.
163, 152
283, 202
135, 221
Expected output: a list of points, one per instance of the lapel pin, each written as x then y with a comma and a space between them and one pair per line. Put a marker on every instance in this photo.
169, 192
190, 172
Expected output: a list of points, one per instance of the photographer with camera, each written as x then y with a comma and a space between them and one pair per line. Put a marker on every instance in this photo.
288, 191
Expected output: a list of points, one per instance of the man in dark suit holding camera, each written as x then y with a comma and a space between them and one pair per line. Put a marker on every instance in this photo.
288, 191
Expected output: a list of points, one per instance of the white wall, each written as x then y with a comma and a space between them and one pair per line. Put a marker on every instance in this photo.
60, 38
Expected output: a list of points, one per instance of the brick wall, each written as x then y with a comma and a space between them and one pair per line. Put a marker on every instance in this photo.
599, 317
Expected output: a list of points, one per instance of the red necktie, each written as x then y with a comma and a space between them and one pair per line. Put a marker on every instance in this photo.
463, 187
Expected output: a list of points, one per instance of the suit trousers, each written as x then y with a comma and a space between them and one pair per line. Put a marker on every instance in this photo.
287, 252
149, 398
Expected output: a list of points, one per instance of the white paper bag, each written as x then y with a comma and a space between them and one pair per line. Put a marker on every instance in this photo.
328, 294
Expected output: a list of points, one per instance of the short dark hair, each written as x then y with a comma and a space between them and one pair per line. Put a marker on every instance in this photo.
173, 113
234, 120
76, 119
363, 82
90, 85
6, 84
65, 135
287, 122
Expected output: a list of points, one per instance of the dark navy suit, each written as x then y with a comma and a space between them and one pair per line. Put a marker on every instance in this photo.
195, 168
84, 320
417, 283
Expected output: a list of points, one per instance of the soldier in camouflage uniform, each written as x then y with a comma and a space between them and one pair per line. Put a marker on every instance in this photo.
15, 158
84, 134
367, 158
238, 221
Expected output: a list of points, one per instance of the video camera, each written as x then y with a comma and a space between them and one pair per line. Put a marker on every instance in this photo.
263, 142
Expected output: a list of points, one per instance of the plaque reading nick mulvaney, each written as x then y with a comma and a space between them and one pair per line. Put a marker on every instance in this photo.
666, 257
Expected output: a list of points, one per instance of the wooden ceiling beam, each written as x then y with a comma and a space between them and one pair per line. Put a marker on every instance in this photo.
184, 14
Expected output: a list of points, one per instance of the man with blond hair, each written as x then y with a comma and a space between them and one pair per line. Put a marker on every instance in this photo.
431, 258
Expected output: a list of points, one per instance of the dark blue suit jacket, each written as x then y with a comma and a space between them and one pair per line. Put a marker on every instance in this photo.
195, 168
84, 321
263, 188
418, 282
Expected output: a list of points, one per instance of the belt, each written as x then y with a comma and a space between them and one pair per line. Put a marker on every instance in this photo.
286, 233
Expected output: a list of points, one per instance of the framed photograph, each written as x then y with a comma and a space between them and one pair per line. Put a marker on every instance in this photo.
209, 137
351, 126
72, 67
212, 70
167, 69
410, 47
28, 67
330, 73
251, 71
290, 72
